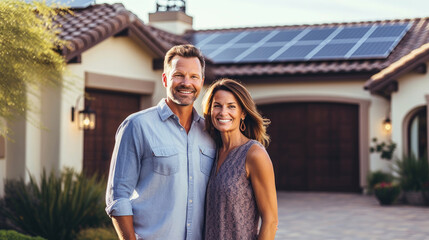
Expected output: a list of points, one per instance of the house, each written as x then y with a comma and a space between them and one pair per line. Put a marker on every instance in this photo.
326, 88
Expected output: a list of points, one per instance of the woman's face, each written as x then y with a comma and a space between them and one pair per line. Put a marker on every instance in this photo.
226, 112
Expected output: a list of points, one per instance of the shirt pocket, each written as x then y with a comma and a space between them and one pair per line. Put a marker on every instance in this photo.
207, 156
165, 160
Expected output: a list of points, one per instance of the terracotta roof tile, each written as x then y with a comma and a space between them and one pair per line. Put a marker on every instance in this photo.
86, 27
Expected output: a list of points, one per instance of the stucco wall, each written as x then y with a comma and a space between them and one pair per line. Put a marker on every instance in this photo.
411, 94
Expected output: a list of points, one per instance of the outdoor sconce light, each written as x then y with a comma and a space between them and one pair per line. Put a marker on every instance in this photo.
387, 125
86, 117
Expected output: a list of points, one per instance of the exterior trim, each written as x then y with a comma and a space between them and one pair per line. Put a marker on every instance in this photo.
405, 123
363, 122
427, 119
2, 147
119, 84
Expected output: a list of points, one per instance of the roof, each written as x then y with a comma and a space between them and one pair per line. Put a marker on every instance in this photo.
84, 28
87, 27
417, 36
404, 65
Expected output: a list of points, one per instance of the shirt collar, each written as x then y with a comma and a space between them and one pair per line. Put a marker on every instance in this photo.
165, 112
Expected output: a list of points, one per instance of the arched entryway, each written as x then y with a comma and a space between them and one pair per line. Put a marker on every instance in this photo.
416, 132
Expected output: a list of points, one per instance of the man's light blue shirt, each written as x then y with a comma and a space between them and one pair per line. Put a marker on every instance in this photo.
159, 174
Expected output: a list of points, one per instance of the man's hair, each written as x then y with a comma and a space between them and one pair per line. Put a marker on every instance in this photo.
187, 51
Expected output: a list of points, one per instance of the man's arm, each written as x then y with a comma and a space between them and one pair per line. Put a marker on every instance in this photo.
124, 227
123, 177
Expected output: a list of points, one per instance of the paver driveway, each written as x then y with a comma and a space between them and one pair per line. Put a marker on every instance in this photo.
329, 216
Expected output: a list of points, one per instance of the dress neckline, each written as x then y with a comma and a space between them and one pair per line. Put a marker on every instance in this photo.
227, 156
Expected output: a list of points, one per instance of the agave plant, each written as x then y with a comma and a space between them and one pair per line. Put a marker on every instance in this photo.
58, 207
413, 172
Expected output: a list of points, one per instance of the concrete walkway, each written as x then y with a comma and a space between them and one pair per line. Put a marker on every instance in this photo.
331, 216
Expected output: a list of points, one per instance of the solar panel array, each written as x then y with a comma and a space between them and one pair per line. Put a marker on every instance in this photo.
306, 44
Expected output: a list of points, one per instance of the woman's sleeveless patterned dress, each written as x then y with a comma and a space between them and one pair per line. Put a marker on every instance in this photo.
231, 210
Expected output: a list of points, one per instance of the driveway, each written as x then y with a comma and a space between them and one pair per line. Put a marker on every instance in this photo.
331, 216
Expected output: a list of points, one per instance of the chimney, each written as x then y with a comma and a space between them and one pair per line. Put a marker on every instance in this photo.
171, 16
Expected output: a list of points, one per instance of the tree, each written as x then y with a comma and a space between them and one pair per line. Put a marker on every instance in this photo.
28, 55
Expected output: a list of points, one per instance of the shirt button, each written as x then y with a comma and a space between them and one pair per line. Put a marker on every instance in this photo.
190, 201
181, 129
190, 177
188, 224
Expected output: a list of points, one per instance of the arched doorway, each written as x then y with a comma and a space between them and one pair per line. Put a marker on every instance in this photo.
417, 133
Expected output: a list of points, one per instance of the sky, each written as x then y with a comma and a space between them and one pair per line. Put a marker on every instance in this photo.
213, 14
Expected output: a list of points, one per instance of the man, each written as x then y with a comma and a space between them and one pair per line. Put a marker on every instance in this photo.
162, 159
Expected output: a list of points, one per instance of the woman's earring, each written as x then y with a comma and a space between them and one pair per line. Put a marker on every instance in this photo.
242, 125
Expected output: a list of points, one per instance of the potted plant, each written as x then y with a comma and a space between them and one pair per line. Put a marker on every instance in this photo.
387, 192
413, 172
377, 177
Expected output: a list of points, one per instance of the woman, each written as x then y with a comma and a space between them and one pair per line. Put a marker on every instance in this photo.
241, 187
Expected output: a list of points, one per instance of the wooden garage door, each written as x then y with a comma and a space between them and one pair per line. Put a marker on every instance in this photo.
111, 109
315, 146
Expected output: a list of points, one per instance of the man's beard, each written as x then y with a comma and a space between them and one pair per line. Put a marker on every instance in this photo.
180, 100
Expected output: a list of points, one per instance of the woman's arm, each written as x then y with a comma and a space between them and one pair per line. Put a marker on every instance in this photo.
260, 170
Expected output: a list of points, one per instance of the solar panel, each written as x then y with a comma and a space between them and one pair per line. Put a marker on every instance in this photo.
253, 37
373, 49
68, 3
228, 54
371, 41
387, 31
332, 51
297, 52
260, 54
353, 32
223, 38
318, 34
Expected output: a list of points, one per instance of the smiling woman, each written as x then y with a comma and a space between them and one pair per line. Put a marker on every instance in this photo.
242, 176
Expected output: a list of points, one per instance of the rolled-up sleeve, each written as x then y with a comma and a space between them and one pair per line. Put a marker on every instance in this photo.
124, 169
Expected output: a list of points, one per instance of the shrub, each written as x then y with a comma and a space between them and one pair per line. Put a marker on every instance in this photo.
377, 177
97, 234
413, 172
57, 208
13, 235
385, 149
386, 193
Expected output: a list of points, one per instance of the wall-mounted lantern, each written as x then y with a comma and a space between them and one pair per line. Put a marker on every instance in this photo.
86, 117
387, 125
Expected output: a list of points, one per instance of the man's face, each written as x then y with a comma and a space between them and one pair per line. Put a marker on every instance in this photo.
183, 80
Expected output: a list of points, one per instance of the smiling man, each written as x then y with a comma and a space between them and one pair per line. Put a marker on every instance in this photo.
162, 159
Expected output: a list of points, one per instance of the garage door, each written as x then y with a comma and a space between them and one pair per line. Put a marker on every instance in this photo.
111, 109
315, 146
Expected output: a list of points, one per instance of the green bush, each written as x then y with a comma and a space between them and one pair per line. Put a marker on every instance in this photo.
13, 235
377, 177
97, 234
413, 172
58, 207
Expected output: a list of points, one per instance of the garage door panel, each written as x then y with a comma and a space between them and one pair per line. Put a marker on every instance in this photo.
319, 142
